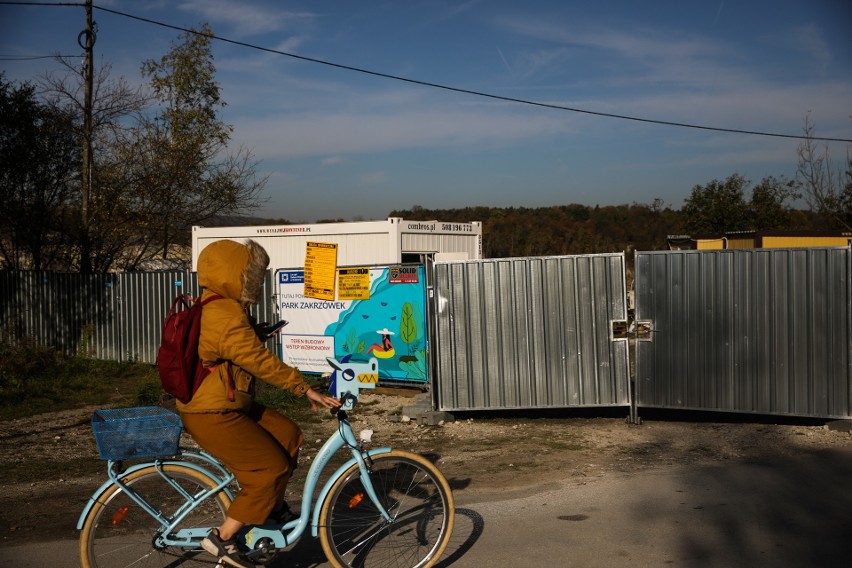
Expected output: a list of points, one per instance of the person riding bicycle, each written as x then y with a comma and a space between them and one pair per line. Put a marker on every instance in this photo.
259, 445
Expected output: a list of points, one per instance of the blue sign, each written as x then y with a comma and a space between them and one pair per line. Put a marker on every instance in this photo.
390, 325
291, 277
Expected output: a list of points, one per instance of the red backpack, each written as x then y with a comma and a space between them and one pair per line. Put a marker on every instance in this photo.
181, 371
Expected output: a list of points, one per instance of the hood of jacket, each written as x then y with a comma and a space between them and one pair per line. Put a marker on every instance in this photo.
233, 270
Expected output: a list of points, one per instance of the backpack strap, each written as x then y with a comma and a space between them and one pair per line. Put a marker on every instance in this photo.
232, 387
209, 299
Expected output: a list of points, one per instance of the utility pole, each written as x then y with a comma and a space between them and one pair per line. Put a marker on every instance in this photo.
86, 182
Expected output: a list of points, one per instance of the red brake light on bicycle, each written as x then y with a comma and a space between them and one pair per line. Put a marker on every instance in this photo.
119, 515
355, 500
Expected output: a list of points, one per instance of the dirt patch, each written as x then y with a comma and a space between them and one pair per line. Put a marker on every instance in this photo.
49, 465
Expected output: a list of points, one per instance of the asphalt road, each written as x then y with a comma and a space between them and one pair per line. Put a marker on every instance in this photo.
780, 513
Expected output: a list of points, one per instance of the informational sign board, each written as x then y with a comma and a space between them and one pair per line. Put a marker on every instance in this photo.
378, 312
353, 283
320, 267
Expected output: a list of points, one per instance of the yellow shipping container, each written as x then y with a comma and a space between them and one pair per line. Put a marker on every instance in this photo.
790, 241
761, 239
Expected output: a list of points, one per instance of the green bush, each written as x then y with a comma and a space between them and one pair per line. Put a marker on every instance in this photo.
150, 393
28, 370
35, 378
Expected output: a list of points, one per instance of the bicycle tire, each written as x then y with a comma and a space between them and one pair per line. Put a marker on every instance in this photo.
354, 534
118, 533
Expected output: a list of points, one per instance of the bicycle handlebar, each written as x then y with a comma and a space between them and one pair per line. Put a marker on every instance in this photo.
347, 398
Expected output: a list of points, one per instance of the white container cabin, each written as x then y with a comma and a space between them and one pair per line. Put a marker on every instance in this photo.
392, 241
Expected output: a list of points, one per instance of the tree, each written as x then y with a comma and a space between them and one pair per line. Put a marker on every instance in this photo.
846, 197
717, 207
823, 186
178, 164
39, 166
97, 239
152, 177
768, 207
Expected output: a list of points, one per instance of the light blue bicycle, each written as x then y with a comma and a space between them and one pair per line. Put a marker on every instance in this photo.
382, 507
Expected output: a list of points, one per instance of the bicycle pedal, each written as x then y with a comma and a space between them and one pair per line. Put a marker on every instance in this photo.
263, 553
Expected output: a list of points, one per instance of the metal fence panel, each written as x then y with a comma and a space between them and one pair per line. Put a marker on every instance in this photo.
763, 331
68, 311
530, 333
107, 316
145, 299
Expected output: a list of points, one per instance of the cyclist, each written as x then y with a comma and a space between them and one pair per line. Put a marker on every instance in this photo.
259, 445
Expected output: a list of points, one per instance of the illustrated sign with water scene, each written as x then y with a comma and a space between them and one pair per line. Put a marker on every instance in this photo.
387, 322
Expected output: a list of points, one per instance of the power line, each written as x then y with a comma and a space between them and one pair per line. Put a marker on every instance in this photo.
445, 87
74, 4
32, 57
468, 91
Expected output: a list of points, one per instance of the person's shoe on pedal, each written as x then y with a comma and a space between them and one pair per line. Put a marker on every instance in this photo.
225, 550
283, 514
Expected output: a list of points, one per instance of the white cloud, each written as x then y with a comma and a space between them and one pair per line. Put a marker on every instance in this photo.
322, 133
246, 18
613, 57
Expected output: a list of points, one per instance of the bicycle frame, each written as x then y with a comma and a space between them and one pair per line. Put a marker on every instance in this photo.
117, 474
280, 536
288, 534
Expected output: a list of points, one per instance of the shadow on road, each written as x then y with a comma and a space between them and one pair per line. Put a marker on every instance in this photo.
767, 512
469, 525
468, 528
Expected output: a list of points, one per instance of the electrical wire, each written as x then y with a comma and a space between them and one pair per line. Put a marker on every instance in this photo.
468, 91
72, 4
32, 57
441, 86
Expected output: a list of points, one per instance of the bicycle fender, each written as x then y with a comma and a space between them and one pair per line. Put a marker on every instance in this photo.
327, 487
107, 484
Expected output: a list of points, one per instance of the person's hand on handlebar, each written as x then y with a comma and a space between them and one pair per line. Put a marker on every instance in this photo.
316, 399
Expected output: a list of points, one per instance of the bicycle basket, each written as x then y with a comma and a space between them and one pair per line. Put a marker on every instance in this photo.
141, 432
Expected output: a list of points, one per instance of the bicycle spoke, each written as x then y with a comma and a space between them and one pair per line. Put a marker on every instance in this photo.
416, 497
118, 533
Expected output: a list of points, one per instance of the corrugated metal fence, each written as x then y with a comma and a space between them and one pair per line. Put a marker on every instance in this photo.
765, 331
530, 333
108, 316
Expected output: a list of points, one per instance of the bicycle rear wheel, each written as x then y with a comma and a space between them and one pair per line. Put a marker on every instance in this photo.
414, 493
118, 533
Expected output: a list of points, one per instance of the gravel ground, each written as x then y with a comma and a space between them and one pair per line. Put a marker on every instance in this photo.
49, 464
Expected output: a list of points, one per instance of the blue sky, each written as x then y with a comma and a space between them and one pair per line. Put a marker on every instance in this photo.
341, 144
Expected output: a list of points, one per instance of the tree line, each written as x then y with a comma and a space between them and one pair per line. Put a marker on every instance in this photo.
719, 206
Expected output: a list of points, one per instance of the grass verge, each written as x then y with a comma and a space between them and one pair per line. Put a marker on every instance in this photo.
35, 379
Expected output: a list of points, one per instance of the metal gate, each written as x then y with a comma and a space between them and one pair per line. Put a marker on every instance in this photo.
763, 331
530, 333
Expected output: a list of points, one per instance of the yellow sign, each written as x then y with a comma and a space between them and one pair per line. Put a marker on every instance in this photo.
368, 378
353, 283
320, 267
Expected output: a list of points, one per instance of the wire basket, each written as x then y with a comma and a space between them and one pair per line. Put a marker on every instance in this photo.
141, 432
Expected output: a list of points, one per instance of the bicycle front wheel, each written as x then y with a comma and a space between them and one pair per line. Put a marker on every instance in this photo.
119, 533
412, 491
